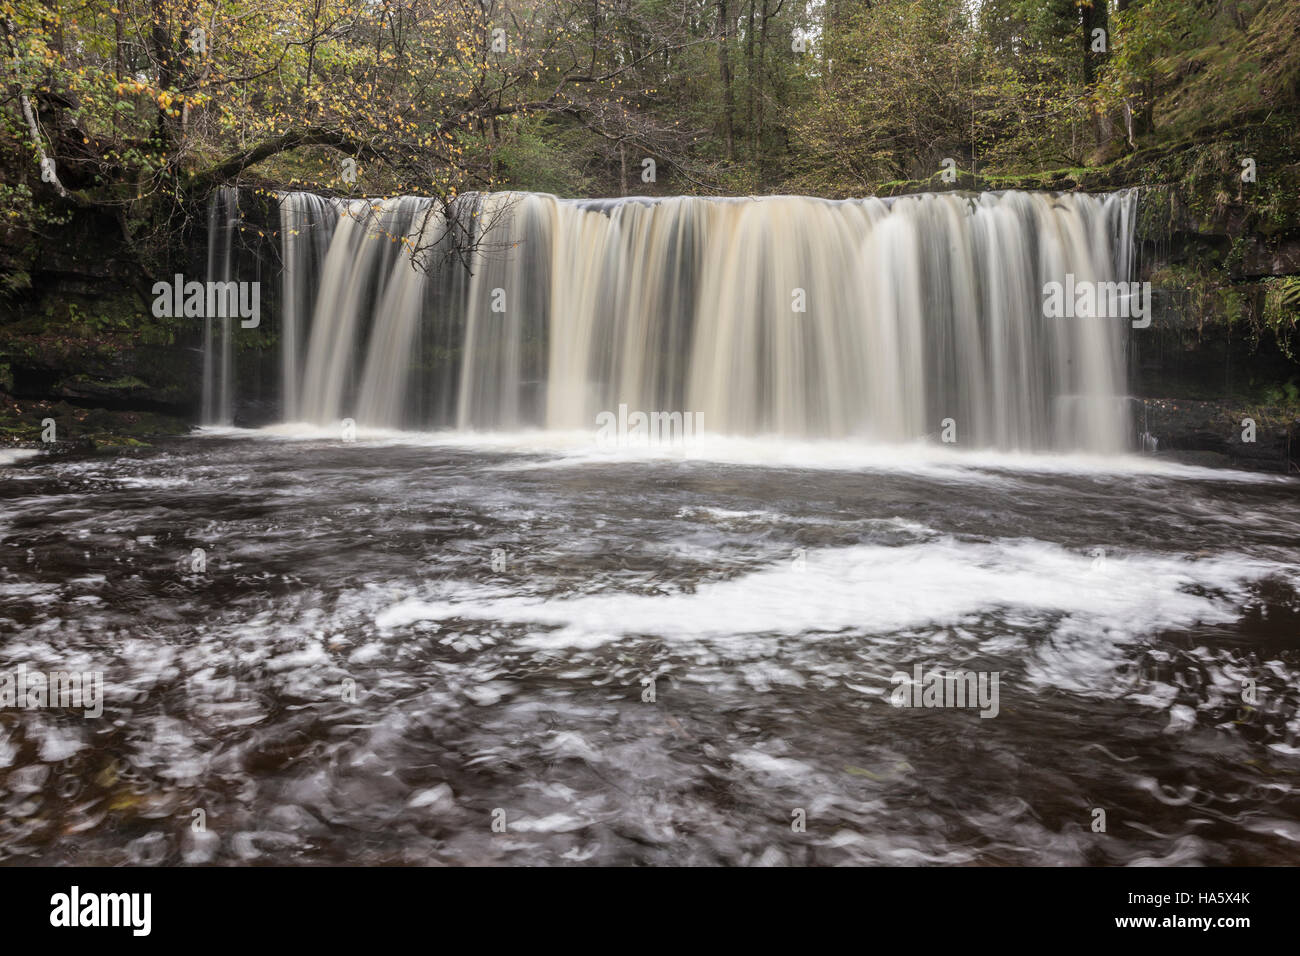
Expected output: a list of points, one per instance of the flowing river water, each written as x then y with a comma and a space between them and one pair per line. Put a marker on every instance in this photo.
518, 648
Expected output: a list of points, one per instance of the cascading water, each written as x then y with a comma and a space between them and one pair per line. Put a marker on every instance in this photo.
223, 219
307, 224
789, 316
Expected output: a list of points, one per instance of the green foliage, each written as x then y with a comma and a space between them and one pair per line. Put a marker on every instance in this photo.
878, 110
543, 159
1286, 394
1282, 311
881, 91
1190, 64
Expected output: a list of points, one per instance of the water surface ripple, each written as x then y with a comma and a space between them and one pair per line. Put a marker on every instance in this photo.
393, 644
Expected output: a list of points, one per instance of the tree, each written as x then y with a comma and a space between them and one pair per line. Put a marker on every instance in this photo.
143, 107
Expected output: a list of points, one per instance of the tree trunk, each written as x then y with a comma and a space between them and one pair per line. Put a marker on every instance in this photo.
724, 70
758, 88
749, 70
1096, 50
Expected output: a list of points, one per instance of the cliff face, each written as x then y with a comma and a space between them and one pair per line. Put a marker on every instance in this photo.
79, 343
1219, 241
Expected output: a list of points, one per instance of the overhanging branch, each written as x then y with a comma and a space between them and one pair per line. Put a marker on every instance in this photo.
312, 136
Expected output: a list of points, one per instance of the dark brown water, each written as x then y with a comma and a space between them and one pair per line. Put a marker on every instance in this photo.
388, 645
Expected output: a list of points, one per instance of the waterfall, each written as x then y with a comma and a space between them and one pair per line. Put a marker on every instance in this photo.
218, 358
872, 319
307, 224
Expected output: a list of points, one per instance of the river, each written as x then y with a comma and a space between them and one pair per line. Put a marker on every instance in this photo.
519, 648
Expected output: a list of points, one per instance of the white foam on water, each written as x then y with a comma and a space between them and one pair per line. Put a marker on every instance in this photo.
562, 449
879, 590
11, 456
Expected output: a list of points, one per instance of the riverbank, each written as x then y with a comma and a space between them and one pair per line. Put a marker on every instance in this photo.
61, 425
1218, 434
